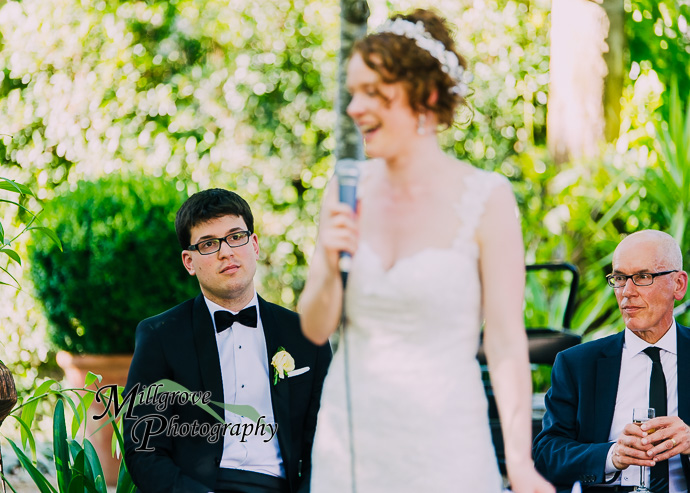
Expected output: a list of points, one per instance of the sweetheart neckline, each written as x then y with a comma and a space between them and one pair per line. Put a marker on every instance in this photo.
406, 258
475, 173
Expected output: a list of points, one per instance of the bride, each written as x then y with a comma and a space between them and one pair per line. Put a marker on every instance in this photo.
436, 247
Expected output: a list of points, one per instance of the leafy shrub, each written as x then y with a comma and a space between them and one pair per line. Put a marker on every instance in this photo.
120, 264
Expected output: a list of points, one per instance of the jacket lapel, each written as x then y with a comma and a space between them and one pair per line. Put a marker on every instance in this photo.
683, 362
280, 393
207, 350
683, 359
606, 387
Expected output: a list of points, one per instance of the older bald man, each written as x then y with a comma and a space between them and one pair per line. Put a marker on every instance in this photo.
588, 435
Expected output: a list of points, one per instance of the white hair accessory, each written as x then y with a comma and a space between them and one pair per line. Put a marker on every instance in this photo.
448, 60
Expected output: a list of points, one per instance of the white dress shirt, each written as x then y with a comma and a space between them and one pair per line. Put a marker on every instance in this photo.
633, 391
246, 380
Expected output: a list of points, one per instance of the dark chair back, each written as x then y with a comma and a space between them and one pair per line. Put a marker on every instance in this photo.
544, 344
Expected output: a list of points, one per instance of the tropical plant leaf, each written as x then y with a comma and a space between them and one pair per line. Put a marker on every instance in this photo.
117, 435
27, 417
6, 201
124, 480
4, 478
81, 412
82, 469
26, 430
49, 233
13, 278
75, 449
669, 181
39, 480
11, 254
95, 467
13, 186
91, 378
89, 472
42, 389
60, 447
75, 411
100, 484
594, 307
615, 209
77, 484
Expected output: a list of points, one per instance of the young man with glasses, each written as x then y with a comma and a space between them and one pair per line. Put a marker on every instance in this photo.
223, 343
588, 435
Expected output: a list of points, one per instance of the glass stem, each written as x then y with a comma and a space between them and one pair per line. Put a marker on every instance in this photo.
643, 476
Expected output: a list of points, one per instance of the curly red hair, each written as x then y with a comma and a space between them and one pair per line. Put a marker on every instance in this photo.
398, 59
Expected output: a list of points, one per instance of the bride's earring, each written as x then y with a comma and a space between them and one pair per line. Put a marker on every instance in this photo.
421, 122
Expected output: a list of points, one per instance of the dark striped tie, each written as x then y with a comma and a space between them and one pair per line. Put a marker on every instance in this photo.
657, 400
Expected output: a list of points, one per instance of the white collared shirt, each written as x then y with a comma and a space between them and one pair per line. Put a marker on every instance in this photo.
246, 380
633, 391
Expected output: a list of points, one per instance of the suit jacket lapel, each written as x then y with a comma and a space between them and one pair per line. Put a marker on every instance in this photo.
683, 363
606, 387
207, 350
683, 359
280, 393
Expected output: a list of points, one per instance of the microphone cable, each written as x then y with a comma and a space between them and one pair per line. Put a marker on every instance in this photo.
348, 390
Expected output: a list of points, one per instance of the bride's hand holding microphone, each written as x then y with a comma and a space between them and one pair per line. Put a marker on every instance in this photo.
338, 231
321, 301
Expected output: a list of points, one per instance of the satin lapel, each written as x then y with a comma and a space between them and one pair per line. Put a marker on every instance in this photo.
280, 393
207, 350
606, 387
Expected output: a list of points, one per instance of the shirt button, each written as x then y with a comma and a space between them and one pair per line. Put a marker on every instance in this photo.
240, 347
242, 386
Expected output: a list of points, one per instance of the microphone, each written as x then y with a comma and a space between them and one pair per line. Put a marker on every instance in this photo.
347, 171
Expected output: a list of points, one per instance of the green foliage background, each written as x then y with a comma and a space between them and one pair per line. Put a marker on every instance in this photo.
239, 94
119, 263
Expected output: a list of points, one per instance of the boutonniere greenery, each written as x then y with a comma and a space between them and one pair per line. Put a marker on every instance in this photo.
282, 363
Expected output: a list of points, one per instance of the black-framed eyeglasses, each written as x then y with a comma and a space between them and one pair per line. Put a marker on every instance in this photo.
212, 245
641, 279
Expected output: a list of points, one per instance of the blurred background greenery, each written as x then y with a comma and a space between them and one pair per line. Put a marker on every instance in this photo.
240, 94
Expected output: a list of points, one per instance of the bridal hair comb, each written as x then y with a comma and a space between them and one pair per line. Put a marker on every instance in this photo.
448, 60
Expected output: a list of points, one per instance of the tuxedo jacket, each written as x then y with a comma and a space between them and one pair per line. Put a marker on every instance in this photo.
180, 345
573, 443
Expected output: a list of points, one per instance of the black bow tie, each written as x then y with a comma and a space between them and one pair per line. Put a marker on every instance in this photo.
225, 319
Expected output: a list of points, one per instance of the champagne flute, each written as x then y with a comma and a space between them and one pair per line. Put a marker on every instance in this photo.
641, 415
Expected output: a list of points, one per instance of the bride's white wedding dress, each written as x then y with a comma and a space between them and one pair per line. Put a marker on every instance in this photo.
418, 406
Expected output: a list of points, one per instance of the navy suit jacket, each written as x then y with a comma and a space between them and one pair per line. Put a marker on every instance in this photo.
180, 345
573, 443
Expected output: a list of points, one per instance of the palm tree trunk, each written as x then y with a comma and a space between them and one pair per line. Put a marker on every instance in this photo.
615, 62
576, 121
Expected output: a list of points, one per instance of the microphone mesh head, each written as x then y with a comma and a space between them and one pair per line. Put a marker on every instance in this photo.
347, 171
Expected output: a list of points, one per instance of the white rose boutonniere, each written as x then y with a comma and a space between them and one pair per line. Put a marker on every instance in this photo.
282, 363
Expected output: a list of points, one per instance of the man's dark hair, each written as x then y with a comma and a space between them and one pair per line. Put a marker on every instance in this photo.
206, 205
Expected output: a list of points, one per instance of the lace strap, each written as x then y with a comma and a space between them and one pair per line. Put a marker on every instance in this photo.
478, 186
365, 171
